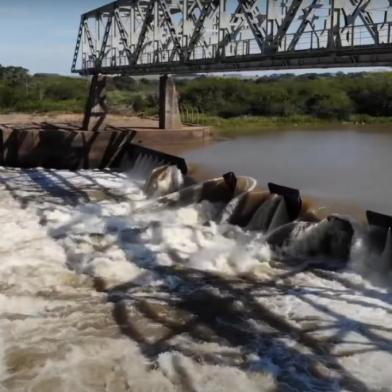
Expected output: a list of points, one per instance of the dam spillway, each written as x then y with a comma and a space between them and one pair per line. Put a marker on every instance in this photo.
100, 291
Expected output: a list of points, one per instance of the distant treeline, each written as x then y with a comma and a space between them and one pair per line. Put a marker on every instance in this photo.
21, 92
323, 96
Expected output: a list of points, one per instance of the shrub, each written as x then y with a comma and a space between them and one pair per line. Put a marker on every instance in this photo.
60, 91
333, 104
8, 97
139, 104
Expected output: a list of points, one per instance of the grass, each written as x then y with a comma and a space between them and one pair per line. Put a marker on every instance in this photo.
46, 106
256, 125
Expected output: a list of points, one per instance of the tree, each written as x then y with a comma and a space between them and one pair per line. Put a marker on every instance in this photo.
139, 104
60, 91
8, 97
332, 104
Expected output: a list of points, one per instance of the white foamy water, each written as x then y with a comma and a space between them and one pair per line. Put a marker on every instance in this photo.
101, 292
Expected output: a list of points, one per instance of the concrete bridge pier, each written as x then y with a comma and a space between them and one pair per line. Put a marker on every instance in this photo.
96, 106
169, 112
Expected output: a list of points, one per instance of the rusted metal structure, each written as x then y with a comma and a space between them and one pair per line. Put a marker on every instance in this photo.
142, 37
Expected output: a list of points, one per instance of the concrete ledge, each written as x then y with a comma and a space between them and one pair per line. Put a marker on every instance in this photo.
64, 145
61, 149
164, 137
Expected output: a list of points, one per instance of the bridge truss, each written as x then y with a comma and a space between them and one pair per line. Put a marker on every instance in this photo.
143, 37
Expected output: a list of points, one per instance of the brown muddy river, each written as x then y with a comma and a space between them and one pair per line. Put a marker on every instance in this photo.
105, 290
348, 168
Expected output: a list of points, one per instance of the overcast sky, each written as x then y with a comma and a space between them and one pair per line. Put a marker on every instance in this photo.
40, 35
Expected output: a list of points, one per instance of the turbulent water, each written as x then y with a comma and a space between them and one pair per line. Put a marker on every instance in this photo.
100, 290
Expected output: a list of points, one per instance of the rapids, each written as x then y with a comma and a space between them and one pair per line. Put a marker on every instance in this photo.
102, 289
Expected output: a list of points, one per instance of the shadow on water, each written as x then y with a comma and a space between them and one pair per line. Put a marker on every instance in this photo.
225, 311
207, 307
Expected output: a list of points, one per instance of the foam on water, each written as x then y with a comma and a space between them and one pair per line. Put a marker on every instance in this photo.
176, 315
3, 370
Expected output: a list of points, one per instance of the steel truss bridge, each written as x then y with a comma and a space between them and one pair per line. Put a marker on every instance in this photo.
142, 37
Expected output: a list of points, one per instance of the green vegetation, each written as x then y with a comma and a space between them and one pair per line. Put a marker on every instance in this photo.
129, 96
232, 105
255, 124
21, 92
229, 104
321, 96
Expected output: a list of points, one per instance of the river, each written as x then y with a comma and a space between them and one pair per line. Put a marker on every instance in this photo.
102, 289
347, 169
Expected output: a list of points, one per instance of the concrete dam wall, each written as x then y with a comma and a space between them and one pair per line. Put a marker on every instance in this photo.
68, 147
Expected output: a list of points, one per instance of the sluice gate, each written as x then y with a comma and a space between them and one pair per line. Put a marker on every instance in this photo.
288, 224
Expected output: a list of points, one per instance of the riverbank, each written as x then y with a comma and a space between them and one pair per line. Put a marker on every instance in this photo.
226, 127
253, 125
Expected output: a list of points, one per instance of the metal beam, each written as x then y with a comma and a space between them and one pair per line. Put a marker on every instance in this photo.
123, 35
104, 41
246, 8
305, 21
365, 17
89, 38
77, 46
148, 18
207, 8
293, 60
173, 32
276, 39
